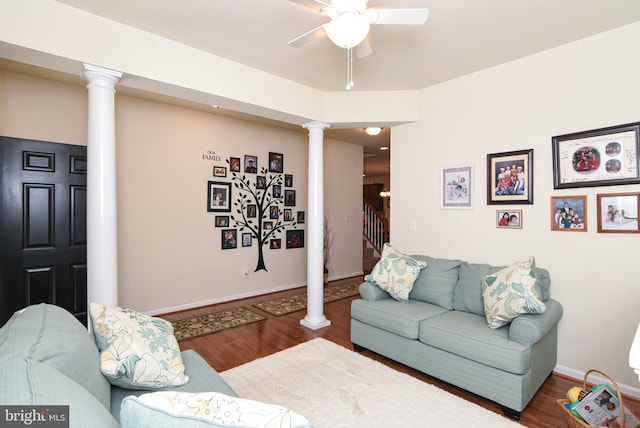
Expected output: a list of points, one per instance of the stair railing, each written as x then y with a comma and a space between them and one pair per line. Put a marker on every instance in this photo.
375, 227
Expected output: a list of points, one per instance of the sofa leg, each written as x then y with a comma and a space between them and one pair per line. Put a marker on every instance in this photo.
358, 348
510, 413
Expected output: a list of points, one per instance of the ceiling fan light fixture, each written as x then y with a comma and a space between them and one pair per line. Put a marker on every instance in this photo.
348, 29
373, 130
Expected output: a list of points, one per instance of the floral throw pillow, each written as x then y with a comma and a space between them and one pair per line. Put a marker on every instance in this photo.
510, 292
185, 409
137, 351
395, 273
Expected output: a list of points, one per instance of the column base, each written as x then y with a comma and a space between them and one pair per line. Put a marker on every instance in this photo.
315, 325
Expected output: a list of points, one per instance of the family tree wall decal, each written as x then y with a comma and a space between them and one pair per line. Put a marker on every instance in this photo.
259, 203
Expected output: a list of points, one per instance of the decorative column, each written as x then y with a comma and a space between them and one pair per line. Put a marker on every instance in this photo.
102, 231
315, 318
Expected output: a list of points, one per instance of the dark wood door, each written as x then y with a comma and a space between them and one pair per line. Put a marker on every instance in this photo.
43, 250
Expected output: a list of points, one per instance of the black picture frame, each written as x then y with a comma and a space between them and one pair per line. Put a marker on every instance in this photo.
275, 244
219, 171
599, 157
300, 217
229, 238
234, 164
289, 198
250, 164
288, 180
252, 210
218, 196
276, 162
295, 238
512, 191
247, 239
222, 221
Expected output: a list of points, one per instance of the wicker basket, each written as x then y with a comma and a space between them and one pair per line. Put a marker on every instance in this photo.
572, 420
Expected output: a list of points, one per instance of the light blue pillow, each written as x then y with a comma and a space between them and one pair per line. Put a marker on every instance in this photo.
172, 409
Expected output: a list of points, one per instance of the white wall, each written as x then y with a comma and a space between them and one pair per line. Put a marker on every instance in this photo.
590, 84
170, 253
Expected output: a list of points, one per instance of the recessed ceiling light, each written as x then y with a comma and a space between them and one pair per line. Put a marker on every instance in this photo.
373, 130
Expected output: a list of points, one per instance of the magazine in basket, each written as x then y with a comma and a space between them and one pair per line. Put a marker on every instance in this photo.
601, 407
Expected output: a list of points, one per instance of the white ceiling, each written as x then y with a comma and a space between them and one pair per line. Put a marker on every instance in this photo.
460, 37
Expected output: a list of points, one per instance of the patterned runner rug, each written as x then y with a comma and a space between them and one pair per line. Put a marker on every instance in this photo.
297, 302
216, 321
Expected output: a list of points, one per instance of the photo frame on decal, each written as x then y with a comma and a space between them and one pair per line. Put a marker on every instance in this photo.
218, 196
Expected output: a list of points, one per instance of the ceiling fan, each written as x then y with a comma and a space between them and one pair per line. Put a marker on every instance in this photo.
349, 24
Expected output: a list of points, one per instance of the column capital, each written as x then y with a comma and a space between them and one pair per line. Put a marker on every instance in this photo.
101, 76
315, 126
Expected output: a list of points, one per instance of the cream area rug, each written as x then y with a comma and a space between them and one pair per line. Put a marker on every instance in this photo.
335, 387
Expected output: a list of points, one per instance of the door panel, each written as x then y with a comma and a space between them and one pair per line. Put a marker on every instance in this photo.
43, 220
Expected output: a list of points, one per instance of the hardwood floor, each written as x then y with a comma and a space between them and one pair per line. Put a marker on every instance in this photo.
236, 346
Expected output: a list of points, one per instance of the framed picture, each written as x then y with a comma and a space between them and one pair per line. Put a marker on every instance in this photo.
295, 238
218, 196
300, 217
219, 171
274, 213
511, 219
261, 182
229, 239
288, 180
251, 211
250, 164
222, 221
456, 187
510, 177
276, 161
247, 240
289, 198
234, 164
569, 213
618, 212
275, 244
267, 225
277, 191
288, 214
601, 157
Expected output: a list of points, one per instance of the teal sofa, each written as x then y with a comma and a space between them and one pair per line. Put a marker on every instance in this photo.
48, 358
442, 331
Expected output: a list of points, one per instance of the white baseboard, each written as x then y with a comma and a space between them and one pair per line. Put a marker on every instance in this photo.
595, 378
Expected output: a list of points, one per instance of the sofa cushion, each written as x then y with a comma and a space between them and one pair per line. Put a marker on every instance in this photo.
510, 292
467, 335
28, 382
53, 336
467, 295
136, 350
169, 409
395, 273
436, 282
399, 318
202, 377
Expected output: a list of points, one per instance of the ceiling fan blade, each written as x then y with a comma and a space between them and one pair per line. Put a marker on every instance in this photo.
363, 49
416, 16
308, 37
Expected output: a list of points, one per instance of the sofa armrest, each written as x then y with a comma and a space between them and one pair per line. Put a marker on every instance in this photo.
528, 329
371, 292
